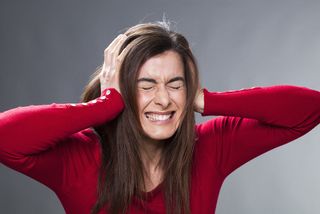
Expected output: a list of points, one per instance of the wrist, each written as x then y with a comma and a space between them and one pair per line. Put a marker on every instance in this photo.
199, 102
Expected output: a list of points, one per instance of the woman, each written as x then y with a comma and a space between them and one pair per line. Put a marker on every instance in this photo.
136, 132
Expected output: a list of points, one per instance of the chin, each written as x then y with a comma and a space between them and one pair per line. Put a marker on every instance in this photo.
160, 137
160, 134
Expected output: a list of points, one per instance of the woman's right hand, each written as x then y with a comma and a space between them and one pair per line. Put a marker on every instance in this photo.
109, 76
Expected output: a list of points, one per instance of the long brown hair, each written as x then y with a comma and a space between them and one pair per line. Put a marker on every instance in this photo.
121, 173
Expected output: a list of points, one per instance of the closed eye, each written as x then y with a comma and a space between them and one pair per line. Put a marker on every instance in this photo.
146, 88
176, 87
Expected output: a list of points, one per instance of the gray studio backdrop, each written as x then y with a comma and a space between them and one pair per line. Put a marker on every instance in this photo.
48, 50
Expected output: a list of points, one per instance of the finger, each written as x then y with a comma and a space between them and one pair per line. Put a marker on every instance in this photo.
113, 43
103, 71
120, 58
114, 56
106, 65
119, 44
108, 58
107, 51
123, 52
113, 51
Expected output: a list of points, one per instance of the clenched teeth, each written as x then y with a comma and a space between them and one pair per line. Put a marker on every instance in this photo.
159, 117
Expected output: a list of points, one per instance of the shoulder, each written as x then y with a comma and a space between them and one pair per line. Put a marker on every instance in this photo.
84, 144
217, 125
215, 129
210, 126
86, 137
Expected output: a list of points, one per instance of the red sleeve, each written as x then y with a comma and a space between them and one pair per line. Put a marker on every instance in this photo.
256, 120
31, 137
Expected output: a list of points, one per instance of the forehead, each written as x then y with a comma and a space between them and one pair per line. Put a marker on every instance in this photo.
162, 66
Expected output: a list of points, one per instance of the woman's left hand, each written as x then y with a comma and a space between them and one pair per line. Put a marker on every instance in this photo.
199, 101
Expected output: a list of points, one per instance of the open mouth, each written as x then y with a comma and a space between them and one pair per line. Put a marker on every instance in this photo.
153, 116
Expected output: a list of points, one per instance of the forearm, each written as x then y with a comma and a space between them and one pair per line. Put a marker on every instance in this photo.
32, 129
283, 105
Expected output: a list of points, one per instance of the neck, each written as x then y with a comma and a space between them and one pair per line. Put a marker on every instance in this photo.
151, 153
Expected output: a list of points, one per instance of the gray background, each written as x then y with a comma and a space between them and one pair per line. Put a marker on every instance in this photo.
48, 49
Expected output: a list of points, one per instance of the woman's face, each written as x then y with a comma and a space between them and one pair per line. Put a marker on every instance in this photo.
161, 95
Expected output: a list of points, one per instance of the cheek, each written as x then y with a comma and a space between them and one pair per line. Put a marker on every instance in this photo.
143, 100
179, 98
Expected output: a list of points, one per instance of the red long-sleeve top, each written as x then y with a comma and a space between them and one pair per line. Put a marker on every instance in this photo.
54, 143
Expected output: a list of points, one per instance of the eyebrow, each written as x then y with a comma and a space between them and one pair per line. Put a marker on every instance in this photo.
144, 79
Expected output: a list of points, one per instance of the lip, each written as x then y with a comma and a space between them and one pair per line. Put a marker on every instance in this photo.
159, 112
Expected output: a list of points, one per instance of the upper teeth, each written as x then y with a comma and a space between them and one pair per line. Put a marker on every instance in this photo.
158, 116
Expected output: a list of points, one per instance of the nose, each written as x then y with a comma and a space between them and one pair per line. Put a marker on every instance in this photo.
162, 97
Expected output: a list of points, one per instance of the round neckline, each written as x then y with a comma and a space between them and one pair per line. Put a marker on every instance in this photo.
153, 191
147, 196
